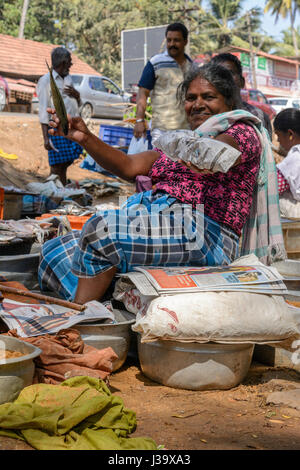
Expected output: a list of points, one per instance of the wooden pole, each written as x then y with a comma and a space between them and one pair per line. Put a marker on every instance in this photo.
252, 55
45, 298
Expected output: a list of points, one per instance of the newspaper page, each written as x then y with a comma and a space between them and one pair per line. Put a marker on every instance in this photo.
196, 279
142, 283
42, 319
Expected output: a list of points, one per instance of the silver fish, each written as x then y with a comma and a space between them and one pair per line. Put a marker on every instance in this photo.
58, 102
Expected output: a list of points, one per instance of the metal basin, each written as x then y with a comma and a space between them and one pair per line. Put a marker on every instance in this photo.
117, 335
21, 268
16, 373
195, 366
290, 270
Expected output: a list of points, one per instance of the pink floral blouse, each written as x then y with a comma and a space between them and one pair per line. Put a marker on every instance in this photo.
227, 197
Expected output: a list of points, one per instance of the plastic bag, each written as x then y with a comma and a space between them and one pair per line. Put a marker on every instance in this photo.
138, 145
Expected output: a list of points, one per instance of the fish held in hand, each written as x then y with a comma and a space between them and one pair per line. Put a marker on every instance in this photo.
58, 102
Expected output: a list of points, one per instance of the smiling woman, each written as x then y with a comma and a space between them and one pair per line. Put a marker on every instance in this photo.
189, 217
207, 91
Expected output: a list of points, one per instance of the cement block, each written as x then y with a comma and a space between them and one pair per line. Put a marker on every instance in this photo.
275, 357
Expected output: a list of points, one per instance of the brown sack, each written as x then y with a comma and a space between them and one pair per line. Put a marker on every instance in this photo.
65, 355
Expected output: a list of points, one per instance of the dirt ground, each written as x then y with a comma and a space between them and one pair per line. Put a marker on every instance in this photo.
22, 136
236, 419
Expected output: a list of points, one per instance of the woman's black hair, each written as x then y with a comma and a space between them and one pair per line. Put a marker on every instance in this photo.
218, 76
286, 119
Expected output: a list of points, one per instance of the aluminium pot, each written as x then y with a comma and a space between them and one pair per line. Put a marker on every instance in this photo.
195, 366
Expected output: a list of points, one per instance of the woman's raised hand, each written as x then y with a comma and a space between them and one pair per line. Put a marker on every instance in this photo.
77, 130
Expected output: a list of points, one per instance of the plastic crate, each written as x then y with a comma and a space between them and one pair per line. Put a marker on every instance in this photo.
76, 221
119, 136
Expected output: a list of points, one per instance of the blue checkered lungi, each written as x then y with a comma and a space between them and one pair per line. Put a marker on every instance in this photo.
120, 238
67, 150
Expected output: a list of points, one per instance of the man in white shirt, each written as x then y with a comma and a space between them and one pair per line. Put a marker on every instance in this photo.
61, 151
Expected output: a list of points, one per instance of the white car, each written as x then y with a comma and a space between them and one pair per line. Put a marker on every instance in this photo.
100, 96
281, 102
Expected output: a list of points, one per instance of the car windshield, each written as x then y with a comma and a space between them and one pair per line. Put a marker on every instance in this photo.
278, 102
77, 79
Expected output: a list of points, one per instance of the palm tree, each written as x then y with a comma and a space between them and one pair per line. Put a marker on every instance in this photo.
219, 18
284, 8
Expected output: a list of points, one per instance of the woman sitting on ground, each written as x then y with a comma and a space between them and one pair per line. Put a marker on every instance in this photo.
287, 128
81, 266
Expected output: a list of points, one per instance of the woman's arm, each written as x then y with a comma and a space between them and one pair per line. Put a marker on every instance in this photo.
227, 139
114, 160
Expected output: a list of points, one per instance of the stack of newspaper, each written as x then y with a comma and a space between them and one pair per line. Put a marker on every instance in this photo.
258, 279
41, 319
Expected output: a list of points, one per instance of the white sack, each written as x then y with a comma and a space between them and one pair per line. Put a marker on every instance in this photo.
217, 316
131, 297
289, 207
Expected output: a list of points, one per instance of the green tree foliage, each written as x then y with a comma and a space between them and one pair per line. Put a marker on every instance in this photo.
92, 28
286, 8
224, 24
286, 48
218, 21
10, 15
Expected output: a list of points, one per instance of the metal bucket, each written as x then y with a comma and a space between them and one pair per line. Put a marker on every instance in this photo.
117, 335
21, 268
195, 366
16, 373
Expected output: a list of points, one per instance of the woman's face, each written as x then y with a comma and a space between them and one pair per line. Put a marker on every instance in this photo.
203, 101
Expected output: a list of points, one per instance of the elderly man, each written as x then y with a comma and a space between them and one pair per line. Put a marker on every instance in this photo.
61, 151
160, 79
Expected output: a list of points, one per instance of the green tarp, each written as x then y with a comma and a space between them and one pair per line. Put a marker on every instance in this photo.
78, 414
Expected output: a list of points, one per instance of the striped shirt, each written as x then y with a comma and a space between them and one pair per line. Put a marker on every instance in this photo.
162, 75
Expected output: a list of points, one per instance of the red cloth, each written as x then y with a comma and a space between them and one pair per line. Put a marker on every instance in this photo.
65, 355
283, 185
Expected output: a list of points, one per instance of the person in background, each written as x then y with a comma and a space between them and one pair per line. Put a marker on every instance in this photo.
160, 79
287, 129
207, 57
232, 63
61, 151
